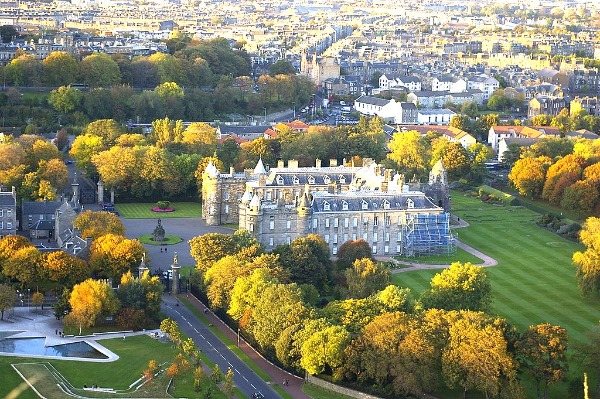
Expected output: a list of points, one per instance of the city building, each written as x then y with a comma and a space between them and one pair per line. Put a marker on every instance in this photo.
8, 212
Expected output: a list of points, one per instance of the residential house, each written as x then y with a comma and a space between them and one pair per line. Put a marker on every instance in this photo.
453, 134
440, 116
473, 95
34, 212
550, 75
246, 133
591, 105
389, 110
389, 81
505, 144
497, 133
428, 99
448, 83
8, 212
484, 83
545, 105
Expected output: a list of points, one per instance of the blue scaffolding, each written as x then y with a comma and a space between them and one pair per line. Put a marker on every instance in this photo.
428, 234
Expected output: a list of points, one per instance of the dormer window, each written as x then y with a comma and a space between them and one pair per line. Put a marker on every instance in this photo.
365, 205
344, 205
326, 179
326, 206
296, 180
410, 203
279, 180
342, 179
386, 204
311, 180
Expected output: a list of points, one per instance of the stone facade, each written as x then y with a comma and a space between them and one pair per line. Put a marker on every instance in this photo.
337, 202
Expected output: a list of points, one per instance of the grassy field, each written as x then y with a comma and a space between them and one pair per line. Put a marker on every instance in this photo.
134, 355
534, 281
169, 240
460, 256
144, 211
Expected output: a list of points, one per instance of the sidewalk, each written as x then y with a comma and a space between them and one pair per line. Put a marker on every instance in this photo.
294, 387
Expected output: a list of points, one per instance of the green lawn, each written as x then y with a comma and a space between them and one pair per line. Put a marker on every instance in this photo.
144, 211
534, 281
460, 256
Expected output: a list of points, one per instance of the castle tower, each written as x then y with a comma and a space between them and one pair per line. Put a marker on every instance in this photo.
211, 187
305, 213
438, 187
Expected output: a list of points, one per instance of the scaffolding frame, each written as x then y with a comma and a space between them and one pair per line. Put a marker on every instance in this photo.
428, 234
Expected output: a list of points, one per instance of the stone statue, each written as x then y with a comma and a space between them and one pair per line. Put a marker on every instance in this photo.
175, 260
159, 232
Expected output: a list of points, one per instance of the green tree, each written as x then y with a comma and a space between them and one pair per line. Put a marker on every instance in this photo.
366, 277
454, 156
99, 69
108, 129
65, 99
587, 262
541, 120
461, 286
562, 121
351, 251
24, 70
282, 67
83, 149
60, 69
324, 349
542, 350
8, 297
209, 248
8, 33
462, 122
228, 152
470, 109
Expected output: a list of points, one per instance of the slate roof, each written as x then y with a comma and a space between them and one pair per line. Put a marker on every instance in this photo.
369, 201
301, 176
43, 225
39, 207
372, 100
7, 199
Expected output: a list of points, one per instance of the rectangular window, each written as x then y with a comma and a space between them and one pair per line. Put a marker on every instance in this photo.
345, 237
226, 208
398, 249
8, 225
375, 237
326, 237
375, 220
1, 224
271, 225
374, 249
315, 223
41, 217
268, 196
399, 236
365, 236
271, 241
288, 240
386, 249
387, 237
354, 236
336, 222
226, 195
388, 220
9, 212
334, 250
1, 212
355, 222
335, 238
288, 224
252, 227
326, 223
346, 222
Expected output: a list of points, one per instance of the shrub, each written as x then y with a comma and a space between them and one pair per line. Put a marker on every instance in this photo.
163, 204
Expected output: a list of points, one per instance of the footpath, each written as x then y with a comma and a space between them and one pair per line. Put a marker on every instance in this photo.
294, 383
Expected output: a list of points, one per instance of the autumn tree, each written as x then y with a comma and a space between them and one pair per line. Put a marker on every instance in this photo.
542, 350
65, 99
528, 175
209, 248
95, 224
83, 149
60, 69
37, 299
63, 269
113, 255
366, 277
108, 129
89, 300
588, 261
477, 355
8, 297
454, 156
351, 251
324, 349
410, 152
461, 286
23, 265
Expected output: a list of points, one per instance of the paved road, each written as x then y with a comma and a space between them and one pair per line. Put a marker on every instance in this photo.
244, 378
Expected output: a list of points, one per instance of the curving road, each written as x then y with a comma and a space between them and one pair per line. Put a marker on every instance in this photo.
245, 379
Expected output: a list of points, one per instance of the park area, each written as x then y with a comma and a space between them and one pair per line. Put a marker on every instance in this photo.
534, 281
52, 378
139, 210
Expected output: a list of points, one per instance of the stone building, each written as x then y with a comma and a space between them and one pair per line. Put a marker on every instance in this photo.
338, 202
8, 212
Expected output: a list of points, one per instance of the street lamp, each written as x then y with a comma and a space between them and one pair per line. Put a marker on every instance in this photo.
265, 108
28, 292
294, 104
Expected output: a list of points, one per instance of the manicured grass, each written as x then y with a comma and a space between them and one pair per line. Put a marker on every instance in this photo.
534, 281
460, 256
144, 211
169, 240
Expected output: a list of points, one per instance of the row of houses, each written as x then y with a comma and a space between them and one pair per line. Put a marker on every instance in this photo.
401, 113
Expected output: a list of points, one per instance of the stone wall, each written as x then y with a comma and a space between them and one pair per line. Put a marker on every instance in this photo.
339, 389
